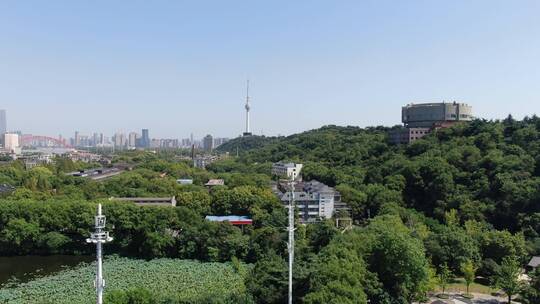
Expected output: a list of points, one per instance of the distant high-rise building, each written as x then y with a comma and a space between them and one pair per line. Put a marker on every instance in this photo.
3, 122
101, 139
11, 141
220, 141
119, 140
95, 140
132, 141
155, 143
247, 107
169, 143
145, 139
77, 141
208, 143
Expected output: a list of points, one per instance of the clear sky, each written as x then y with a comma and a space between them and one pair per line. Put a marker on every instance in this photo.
178, 67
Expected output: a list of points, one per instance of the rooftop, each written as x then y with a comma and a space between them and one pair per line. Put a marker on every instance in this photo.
287, 165
427, 104
4, 188
312, 186
233, 219
215, 182
148, 201
535, 262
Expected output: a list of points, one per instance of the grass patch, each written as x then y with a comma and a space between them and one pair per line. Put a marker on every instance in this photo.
458, 286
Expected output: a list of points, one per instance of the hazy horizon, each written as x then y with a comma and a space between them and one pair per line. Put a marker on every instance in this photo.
180, 68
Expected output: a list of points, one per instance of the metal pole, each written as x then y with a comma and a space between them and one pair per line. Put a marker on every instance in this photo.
99, 275
99, 237
290, 245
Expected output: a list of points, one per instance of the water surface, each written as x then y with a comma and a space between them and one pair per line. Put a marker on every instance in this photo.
26, 268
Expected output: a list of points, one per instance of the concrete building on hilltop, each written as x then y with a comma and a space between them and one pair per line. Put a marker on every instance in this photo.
420, 119
426, 115
407, 135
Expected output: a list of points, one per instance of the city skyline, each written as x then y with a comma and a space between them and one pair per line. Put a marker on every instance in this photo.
97, 68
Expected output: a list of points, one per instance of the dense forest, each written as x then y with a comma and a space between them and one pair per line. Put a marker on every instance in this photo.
462, 202
469, 194
489, 172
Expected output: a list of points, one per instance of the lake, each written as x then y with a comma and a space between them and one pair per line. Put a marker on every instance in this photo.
26, 268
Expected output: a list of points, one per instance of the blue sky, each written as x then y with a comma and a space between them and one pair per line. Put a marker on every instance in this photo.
178, 67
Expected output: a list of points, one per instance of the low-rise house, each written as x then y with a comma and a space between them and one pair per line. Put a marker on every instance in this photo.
235, 220
184, 181
215, 182
6, 189
534, 263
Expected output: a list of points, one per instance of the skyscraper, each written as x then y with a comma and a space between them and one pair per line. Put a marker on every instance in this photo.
95, 140
77, 141
247, 107
11, 141
3, 122
119, 140
208, 143
132, 141
145, 140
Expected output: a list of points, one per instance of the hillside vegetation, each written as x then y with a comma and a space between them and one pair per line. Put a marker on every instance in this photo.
462, 202
488, 171
466, 195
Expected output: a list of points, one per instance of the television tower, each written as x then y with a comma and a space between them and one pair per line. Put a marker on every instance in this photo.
247, 107
99, 237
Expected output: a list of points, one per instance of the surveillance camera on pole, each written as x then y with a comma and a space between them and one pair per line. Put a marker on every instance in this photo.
99, 237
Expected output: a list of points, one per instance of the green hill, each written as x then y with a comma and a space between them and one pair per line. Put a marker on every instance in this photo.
489, 171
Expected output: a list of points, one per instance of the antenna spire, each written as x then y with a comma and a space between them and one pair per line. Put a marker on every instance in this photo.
247, 91
247, 107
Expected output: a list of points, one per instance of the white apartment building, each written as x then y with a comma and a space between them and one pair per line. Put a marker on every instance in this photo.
315, 201
286, 170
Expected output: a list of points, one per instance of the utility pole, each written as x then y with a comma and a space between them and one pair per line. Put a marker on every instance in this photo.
290, 244
99, 237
